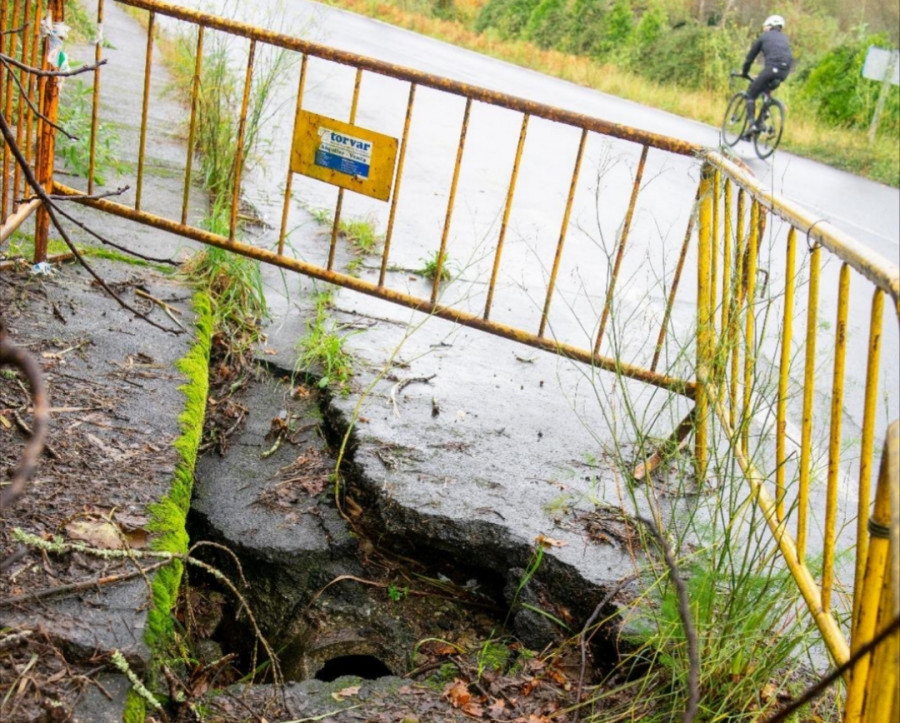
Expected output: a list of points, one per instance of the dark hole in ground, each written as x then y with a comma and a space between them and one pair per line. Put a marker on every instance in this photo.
363, 666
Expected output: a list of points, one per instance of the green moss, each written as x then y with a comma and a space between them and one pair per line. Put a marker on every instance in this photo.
168, 516
135, 709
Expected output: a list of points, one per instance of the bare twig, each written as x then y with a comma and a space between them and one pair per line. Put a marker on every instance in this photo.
52, 210
15, 31
687, 621
13, 356
50, 73
162, 304
102, 239
79, 586
34, 109
816, 690
582, 638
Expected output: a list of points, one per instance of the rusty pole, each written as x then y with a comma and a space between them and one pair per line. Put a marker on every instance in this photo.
47, 139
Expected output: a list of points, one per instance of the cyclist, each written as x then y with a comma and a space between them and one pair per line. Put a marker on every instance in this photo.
776, 50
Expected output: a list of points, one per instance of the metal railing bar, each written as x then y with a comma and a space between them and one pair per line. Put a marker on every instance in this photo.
505, 222
876, 570
239, 150
683, 387
289, 181
756, 222
787, 332
828, 626
340, 194
620, 250
834, 446
867, 448
395, 193
704, 367
11, 223
727, 234
676, 280
476, 93
18, 181
142, 144
7, 109
563, 231
809, 382
439, 265
737, 300
714, 243
95, 96
192, 126
31, 122
880, 271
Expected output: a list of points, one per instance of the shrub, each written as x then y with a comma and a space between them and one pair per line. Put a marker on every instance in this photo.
838, 93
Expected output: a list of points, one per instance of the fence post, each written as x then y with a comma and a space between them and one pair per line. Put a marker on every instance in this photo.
873, 680
704, 320
50, 110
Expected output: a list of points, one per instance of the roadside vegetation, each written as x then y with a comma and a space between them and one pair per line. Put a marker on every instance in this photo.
676, 55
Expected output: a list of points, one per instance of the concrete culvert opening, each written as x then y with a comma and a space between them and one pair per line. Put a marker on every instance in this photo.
362, 666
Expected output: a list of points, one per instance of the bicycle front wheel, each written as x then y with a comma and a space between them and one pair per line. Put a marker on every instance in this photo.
769, 136
735, 124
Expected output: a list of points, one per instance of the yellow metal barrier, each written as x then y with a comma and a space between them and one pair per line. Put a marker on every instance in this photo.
742, 231
785, 484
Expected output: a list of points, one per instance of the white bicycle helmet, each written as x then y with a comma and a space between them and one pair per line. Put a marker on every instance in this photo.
773, 21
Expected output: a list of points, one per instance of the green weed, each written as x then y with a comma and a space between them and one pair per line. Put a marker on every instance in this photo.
75, 117
429, 268
360, 233
322, 348
220, 95
234, 285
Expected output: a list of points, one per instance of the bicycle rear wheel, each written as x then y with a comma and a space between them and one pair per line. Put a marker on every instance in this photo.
735, 124
769, 136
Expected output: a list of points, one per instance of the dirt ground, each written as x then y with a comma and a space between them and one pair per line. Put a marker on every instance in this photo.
108, 455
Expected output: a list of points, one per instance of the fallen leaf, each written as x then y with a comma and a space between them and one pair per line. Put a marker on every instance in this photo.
97, 533
348, 692
457, 693
473, 709
545, 541
496, 709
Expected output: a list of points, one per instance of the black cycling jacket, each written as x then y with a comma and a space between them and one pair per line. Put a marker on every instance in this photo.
776, 49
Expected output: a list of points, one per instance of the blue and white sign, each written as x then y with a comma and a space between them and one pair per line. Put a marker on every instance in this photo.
343, 153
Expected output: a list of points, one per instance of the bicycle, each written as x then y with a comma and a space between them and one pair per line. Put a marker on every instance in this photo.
769, 122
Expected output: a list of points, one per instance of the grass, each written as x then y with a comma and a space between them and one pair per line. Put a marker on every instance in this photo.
429, 268
234, 285
842, 148
75, 117
322, 348
360, 233
219, 102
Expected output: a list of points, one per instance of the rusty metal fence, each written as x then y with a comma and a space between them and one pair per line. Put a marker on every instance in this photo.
742, 257
21, 96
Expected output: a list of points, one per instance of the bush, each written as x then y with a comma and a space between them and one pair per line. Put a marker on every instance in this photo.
837, 92
547, 25
507, 17
584, 26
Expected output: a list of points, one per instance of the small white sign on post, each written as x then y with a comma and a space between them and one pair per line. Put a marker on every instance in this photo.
881, 65
879, 62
